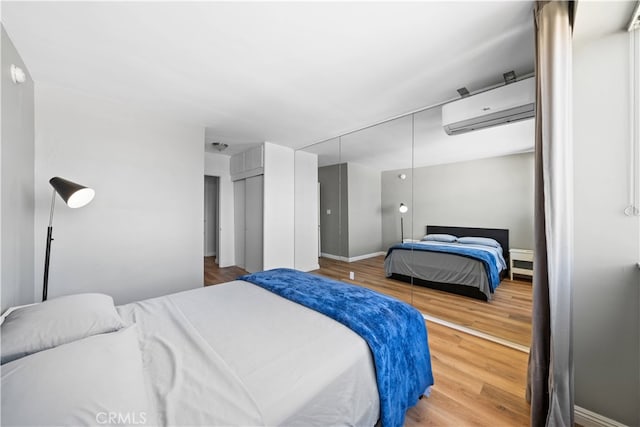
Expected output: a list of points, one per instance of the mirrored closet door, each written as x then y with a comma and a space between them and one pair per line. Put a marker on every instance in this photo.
331, 207
376, 221
385, 190
475, 190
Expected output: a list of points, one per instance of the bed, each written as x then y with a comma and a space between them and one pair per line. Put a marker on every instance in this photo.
247, 352
449, 265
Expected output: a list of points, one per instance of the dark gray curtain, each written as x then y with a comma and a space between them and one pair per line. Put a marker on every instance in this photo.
550, 385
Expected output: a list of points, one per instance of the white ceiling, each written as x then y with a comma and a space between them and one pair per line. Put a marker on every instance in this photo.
288, 73
595, 19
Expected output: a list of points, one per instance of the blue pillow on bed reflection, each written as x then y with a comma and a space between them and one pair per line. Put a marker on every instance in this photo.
448, 238
483, 241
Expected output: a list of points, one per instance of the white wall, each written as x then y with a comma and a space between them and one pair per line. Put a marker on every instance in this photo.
218, 165
142, 236
279, 207
306, 211
16, 169
365, 210
606, 302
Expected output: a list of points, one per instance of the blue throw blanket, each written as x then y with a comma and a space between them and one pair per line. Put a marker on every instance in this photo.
487, 258
395, 331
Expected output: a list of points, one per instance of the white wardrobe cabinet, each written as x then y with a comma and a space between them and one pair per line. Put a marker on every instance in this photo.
268, 216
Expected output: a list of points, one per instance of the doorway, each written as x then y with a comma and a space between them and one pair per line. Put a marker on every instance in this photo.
211, 216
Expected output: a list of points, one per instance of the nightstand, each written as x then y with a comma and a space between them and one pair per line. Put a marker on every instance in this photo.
523, 256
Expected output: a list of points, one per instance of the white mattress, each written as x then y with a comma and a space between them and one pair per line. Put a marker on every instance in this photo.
236, 354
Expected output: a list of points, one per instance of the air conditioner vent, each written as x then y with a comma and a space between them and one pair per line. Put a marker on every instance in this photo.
505, 104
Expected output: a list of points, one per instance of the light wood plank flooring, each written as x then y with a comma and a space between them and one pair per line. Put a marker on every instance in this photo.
477, 383
507, 315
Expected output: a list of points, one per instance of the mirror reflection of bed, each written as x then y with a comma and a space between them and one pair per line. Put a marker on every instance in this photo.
461, 260
481, 180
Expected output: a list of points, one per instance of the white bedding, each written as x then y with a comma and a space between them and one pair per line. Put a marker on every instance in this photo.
236, 354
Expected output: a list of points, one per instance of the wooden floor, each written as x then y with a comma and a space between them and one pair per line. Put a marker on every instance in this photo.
477, 382
214, 275
506, 316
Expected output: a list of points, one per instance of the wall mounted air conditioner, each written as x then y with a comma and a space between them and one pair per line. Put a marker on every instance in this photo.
494, 107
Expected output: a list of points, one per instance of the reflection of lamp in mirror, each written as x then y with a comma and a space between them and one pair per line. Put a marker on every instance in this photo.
403, 210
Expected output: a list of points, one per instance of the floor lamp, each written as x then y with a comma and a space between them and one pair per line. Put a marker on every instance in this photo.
75, 196
403, 210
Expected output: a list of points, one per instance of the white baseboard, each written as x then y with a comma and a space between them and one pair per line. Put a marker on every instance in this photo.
586, 418
352, 259
365, 256
311, 268
331, 256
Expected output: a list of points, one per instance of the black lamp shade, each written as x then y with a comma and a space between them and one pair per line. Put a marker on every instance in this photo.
74, 195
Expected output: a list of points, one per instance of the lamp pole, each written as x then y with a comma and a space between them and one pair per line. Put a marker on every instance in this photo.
47, 256
403, 209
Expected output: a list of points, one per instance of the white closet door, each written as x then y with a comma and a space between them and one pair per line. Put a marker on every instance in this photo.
253, 224
239, 208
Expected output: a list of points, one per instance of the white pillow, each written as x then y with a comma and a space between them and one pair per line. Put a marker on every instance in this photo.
447, 238
98, 380
58, 321
483, 241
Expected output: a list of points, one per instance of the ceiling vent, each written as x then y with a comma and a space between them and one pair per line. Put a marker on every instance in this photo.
220, 146
505, 104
